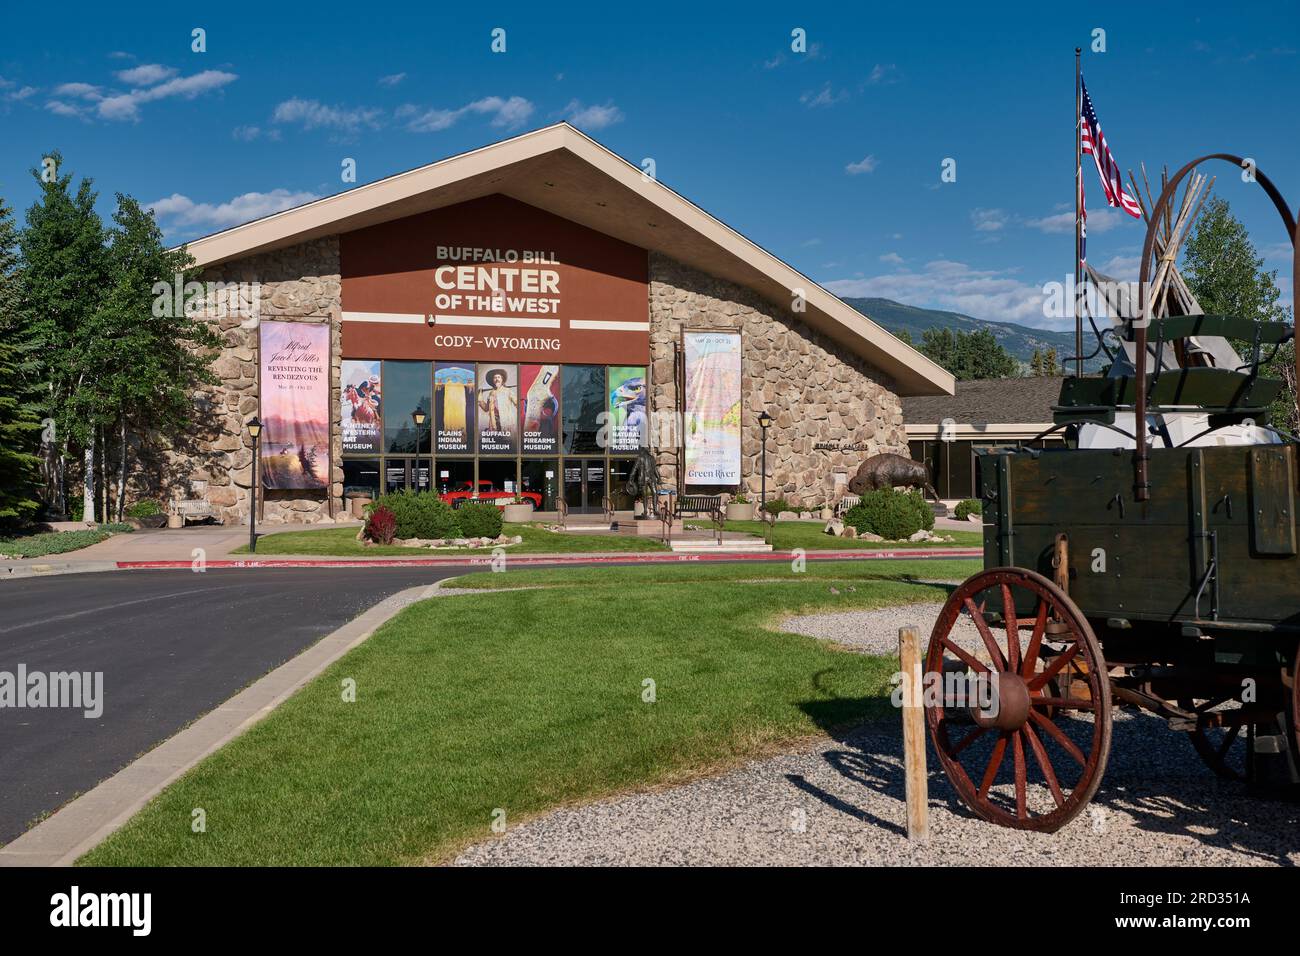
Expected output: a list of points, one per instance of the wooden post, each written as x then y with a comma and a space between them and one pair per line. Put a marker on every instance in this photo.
909, 657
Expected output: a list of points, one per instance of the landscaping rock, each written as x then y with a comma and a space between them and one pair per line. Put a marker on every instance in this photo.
921, 535
975, 519
851, 532
835, 526
788, 516
869, 536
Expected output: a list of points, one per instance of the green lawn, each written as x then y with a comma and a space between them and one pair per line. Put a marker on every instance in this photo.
58, 542
523, 701
342, 542
788, 535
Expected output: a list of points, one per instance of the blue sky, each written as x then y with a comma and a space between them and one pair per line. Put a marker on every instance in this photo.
829, 158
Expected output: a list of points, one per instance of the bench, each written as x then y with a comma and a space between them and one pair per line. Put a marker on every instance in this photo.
677, 507
846, 503
193, 509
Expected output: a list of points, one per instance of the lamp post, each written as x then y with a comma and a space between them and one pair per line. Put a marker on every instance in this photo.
254, 430
764, 423
418, 417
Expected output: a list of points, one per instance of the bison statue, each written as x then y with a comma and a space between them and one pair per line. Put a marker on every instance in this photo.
891, 471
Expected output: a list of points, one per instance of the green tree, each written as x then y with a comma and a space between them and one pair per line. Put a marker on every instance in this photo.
64, 273
20, 421
158, 356
968, 355
1227, 276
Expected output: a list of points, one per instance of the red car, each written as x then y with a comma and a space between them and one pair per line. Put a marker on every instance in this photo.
464, 491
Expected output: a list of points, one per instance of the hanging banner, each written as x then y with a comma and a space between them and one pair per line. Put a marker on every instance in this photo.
498, 409
712, 413
540, 409
453, 399
295, 404
360, 406
628, 423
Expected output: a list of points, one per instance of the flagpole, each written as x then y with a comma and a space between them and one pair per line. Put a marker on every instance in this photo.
1078, 217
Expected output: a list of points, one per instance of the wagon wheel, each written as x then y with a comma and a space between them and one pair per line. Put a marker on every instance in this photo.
1038, 754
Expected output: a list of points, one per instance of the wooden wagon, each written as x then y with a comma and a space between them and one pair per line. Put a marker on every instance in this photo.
1157, 573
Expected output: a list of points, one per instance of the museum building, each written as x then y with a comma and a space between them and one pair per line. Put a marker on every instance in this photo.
522, 318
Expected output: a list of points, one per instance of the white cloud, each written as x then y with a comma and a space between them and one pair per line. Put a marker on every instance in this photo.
313, 114
988, 220
823, 97
146, 74
81, 91
60, 108
182, 212
392, 79
991, 294
22, 93
246, 134
1122, 267
883, 73
126, 106
867, 164
893, 258
505, 112
592, 117
1099, 221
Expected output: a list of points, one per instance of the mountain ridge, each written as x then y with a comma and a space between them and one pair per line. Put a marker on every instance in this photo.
1020, 340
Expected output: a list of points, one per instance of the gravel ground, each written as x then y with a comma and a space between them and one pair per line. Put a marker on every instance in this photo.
839, 801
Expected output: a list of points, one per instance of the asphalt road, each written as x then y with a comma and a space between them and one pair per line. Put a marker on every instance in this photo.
172, 645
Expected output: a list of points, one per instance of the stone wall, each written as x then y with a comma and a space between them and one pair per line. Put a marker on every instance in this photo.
298, 284
817, 390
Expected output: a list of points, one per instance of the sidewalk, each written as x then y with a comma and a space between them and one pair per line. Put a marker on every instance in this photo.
215, 546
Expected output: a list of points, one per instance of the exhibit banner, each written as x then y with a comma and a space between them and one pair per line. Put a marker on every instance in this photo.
712, 413
360, 405
295, 404
628, 422
498, 409
453, 397
540, 410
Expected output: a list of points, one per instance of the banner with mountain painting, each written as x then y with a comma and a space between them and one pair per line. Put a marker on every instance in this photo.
712, 420
295, 404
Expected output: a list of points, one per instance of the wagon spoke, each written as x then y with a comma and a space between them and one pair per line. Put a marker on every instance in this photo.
1044, 762
969, 739
1054, 668
1035, 641
1013, 628
1228, 739
1059, 736
973, 663
995, 652
991, 771
1018, 747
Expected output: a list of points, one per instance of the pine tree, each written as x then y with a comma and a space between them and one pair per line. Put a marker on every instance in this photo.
20, 421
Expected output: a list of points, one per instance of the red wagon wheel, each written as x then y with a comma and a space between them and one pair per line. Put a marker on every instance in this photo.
1031, 754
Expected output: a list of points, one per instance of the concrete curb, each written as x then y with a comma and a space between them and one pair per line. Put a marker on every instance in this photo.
50, 568
653, 557
88, 820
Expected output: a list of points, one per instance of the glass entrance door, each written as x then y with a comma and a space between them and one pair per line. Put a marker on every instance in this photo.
406, 473
584, 484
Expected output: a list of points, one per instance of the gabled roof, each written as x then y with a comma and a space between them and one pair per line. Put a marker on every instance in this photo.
565, 172
989, 401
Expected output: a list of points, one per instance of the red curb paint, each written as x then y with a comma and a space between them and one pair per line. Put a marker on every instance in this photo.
524, 560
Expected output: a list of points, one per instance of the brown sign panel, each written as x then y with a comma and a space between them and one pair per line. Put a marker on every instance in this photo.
494, 279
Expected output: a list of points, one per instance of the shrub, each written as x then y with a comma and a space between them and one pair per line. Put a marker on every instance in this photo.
146, 508
478, 519
891, 514
777, 505
57, 542
420, 514
740, 498
967, 507
381, 525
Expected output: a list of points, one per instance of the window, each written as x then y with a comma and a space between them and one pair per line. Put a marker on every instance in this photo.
583, 408
406, 388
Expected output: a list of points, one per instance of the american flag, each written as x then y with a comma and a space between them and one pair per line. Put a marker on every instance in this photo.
1093, 142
